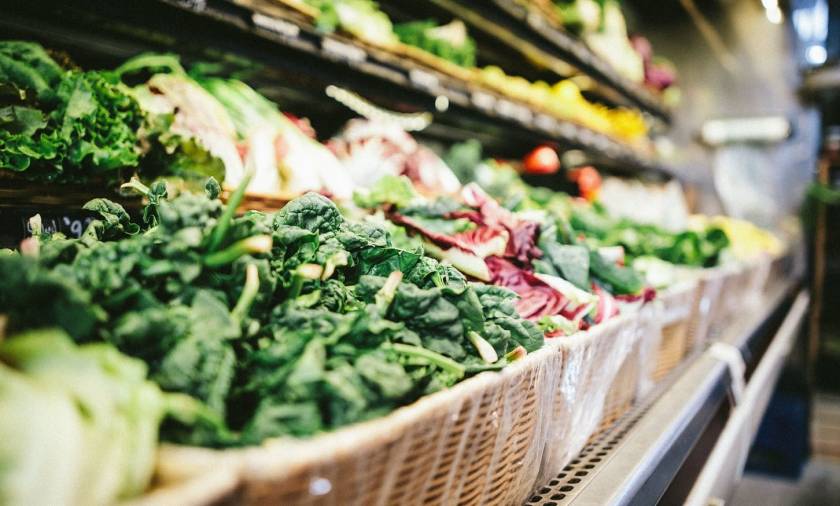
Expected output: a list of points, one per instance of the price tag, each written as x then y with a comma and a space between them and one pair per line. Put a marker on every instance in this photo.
424, 79
343, 51
586, 136
506, 108
274, 25
483, 100
568, 131
511, 110
193, 5
545, 122
71, 226
522, 113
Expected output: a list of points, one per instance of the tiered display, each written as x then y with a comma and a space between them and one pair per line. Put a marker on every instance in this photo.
438, 332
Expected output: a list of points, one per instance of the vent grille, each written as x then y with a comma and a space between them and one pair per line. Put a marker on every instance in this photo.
564, 487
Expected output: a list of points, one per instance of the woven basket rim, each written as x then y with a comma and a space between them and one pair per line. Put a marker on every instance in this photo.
281, 456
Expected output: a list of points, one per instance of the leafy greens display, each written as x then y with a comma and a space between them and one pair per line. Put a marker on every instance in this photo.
63, 125
285, 324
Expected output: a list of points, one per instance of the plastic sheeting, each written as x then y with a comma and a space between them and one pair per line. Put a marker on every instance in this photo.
488, 440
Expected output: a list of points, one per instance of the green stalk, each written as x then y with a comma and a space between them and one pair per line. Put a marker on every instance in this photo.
252, 245
516, 354
137, 186
445, 363
485, 349
249, 293
221, 228
386, 294
302, 273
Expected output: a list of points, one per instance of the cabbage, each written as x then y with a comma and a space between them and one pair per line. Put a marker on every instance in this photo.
79, 425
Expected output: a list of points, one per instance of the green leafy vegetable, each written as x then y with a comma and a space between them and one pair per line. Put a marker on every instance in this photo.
63, 125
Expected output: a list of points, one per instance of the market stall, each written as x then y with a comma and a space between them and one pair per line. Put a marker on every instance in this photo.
207, 300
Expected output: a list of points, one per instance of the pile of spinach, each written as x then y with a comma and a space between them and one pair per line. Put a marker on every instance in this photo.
285, 324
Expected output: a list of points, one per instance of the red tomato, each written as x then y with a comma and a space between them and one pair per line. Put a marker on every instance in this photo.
588, 180
542, 160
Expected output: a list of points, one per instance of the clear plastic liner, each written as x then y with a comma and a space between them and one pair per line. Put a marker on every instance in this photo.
591, 362
488, 440
678, 310
650, 338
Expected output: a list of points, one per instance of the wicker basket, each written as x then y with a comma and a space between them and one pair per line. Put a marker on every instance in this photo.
591, 361
622, 391
478, 442
633, 379
706, 307
679, 307
731, 297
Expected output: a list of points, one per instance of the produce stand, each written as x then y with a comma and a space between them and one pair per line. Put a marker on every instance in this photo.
657, 401
291, 47
677, 440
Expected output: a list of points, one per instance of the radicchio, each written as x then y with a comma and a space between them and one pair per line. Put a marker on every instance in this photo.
371, 149
536, 298
523, 234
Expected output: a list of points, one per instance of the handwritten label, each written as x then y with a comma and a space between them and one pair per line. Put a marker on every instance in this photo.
506, 108
193, 5
343, 51
586, 136
512, 110
423, 78
568, 131
545, 122
275, 25
67, 225
483, 100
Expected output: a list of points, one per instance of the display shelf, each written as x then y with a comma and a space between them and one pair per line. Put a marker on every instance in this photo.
660, 450
536, 37
824, 79
290, 52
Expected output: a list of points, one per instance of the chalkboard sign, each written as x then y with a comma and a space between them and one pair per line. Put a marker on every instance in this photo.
14, 222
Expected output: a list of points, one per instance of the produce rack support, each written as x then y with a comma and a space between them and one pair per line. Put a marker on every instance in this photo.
311, 60
660, 449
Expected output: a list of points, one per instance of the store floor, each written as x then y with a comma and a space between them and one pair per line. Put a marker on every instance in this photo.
819, 485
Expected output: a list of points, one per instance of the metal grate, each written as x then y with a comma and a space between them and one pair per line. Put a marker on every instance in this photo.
564, 487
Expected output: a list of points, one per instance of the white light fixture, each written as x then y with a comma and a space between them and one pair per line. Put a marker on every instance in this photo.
760, 129
816, 54
774, 15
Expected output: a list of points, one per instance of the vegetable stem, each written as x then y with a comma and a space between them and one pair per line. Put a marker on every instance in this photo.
485, 349
249, 246
386, 294
221, 228
249, 293
445, 363
137, 186
301, 274
515, 354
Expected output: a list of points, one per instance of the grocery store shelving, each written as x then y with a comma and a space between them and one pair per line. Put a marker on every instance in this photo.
822, 79
288, 51
527, 29
687, 439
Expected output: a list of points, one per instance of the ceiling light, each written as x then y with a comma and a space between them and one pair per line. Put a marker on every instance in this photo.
774, 15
